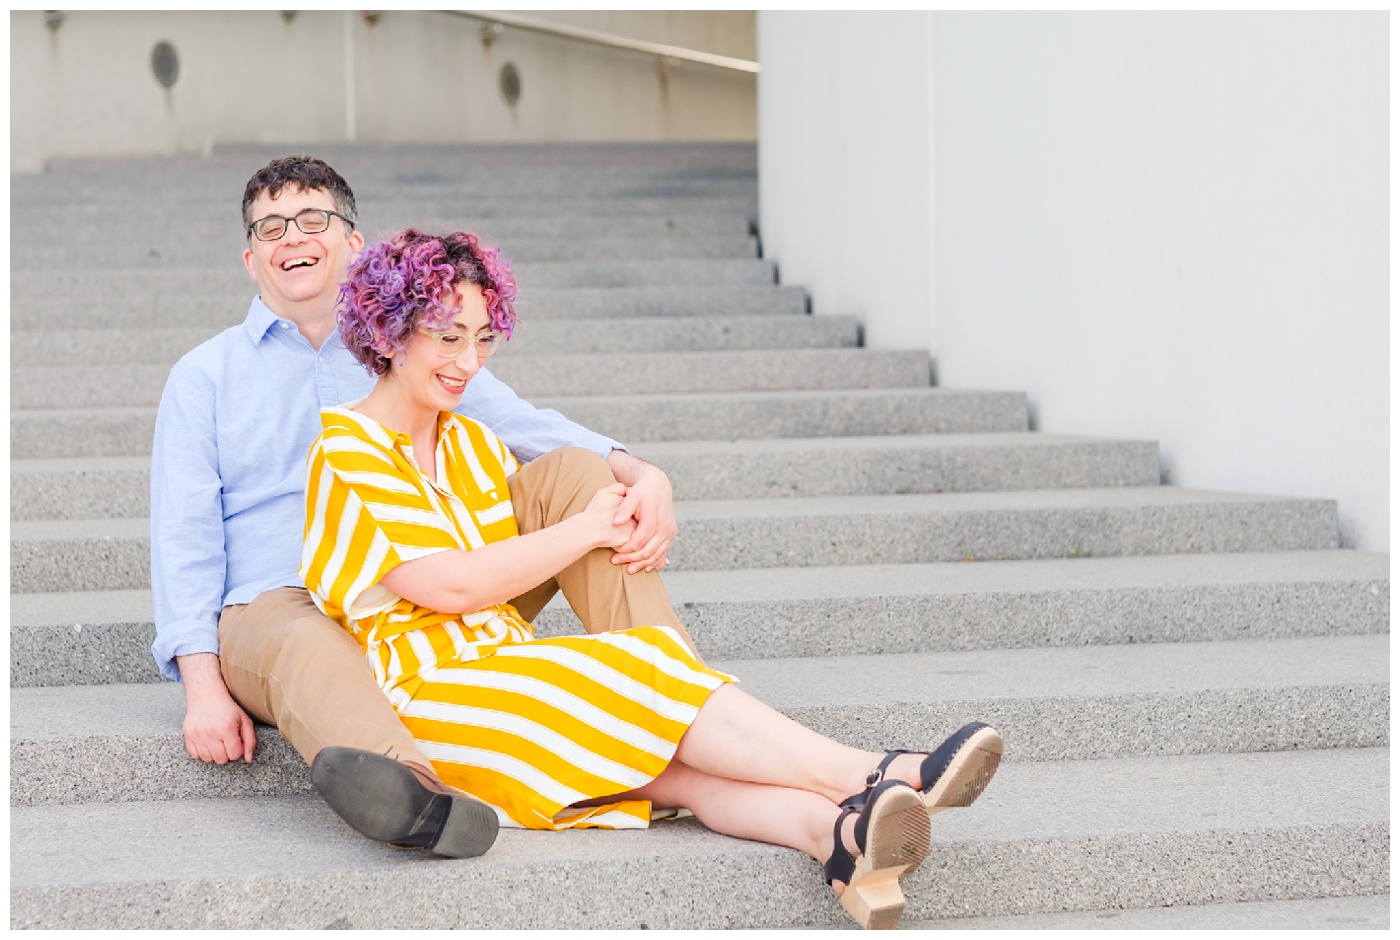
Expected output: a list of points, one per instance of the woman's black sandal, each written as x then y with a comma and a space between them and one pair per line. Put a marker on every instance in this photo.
892, 834
954, 774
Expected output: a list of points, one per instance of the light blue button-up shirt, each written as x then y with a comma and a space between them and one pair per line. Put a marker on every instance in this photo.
228, 466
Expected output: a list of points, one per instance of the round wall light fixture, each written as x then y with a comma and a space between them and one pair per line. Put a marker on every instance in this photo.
165, 64
510, 83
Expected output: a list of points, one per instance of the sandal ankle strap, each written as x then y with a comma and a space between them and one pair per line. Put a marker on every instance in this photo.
930, 769
842, 864
873, 780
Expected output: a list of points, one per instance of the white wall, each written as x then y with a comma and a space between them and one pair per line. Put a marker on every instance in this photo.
1163, 226
843, 153
86, 89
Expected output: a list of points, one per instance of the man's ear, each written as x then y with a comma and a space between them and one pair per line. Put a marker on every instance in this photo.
248, 264
357, 244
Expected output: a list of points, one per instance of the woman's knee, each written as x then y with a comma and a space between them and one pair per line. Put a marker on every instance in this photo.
556, 485
577, 465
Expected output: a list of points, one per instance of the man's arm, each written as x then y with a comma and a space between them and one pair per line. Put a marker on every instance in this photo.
648, 501
188, 566
215, 728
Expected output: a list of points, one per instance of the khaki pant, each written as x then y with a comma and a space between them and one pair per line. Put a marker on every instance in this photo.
291, 666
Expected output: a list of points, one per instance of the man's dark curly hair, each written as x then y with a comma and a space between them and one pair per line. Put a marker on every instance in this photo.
302, 173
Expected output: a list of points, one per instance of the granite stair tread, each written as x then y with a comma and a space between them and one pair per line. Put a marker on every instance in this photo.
288, 862
544, 374
105, 636
831, 530
165, 345
127, 431
231, 281
113, 487
229, 308
1367, 912
1053, 704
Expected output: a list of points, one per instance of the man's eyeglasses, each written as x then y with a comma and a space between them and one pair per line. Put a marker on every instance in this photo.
309, 221
452, 345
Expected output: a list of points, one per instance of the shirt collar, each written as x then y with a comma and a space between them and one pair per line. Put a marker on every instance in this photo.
260, 320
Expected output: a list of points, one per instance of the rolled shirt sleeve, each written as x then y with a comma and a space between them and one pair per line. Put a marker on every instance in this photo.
188, 560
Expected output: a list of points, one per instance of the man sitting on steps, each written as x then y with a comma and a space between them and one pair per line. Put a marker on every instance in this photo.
228, 467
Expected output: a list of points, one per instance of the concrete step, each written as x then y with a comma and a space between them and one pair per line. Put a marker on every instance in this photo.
139, 254
733, 157
534, 376
418, 163
911, 463
1045, 837
443, 165
447, 173
208, 204
1368, 912
86, 227
229, 309
1076, 523
165, 345
105, 637
113, 554
127, 432
229, 280
418, 159
759, 415
119, 743
118, 487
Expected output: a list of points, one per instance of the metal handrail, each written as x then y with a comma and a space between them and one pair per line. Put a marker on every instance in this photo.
609, 40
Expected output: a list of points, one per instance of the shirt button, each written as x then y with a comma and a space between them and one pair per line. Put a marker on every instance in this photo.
286, 325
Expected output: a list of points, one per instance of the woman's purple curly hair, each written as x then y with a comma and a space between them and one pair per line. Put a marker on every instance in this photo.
410, 280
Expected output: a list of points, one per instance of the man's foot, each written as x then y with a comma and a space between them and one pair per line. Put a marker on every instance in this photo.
401, 804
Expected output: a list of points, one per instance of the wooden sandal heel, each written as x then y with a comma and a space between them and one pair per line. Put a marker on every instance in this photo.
892, 835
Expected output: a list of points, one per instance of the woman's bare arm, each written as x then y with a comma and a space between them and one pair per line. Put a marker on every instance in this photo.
463, 582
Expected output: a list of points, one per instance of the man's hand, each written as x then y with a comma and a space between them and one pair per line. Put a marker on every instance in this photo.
648, 501
216, 729
617, 527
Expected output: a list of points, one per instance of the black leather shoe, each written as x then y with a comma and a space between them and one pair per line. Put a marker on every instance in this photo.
393, 802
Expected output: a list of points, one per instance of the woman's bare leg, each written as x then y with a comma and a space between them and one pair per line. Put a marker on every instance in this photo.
738, 737
761, 812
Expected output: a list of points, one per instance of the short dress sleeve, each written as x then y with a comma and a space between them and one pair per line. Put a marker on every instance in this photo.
367, 511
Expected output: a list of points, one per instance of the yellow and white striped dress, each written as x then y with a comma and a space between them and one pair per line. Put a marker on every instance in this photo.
528, 726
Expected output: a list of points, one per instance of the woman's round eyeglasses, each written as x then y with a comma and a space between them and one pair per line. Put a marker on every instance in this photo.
452, 345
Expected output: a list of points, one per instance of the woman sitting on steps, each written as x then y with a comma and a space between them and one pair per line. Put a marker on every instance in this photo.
411, 544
